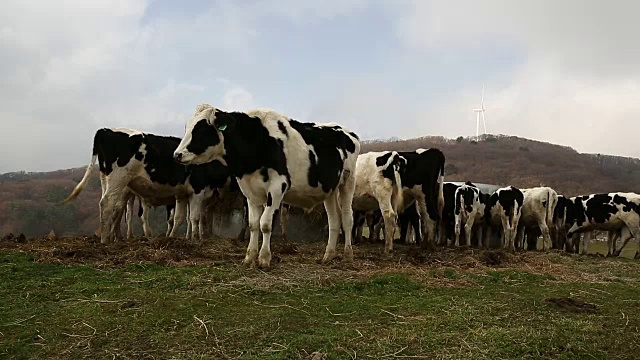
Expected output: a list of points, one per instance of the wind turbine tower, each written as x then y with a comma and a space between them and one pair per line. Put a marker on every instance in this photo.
480, 112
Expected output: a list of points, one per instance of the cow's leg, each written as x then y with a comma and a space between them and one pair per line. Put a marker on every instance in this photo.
626, 235
266, 224
487, 236
129, 216
633, 225
195, 215
255, 212
146, 226
585, 241
284, 219
376, 230
245, 220
520, 237
178, 215
427, 223
171, 210
546, 237
117, 228
611, 240
110, 204
371, 225
358, 224
468, 226
479, 234
458, 227
188, 220
415, 224
333, 215
345, 199
389, 217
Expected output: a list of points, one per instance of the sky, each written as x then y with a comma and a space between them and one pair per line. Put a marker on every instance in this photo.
565, 72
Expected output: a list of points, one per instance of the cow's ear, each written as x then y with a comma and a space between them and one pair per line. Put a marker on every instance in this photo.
223, 121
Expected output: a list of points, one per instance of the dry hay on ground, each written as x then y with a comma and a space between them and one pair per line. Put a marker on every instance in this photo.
297, 263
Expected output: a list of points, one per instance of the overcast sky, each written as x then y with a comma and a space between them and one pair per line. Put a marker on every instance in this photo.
566, 72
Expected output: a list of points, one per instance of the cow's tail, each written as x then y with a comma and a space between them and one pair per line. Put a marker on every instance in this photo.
397, 198
441, 191
547, 215
83, 183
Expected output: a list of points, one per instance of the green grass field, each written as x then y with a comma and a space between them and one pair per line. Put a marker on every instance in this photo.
78, 299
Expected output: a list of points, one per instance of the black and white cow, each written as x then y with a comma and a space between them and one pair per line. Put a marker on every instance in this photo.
537, 211
612, 211
422, 181
131, 161
469, 208
378, 186
277, 159
503, 212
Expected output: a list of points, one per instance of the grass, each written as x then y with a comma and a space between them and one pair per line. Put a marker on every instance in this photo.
449, 308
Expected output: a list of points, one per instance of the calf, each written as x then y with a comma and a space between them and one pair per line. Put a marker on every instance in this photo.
277, 159
612, 211
378, 186
503, 210
470, 203
422, 181
537, 211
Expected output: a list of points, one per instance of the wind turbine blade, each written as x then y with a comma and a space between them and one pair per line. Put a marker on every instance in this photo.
484, 123
477, 125
482, 99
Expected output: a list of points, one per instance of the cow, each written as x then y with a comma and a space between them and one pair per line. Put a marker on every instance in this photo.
503, 211
537, 211
278, 159
470, 203
422, 181
611, 211
142, 163
378, 186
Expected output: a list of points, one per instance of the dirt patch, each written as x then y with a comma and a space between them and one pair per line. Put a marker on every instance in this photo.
572, 305
496, 258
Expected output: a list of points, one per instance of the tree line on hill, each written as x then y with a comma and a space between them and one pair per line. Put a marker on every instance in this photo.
28, 201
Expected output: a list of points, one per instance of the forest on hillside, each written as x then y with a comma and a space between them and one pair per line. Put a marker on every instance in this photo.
28, 201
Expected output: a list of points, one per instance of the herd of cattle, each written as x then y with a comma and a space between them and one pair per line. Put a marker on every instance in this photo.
270, 162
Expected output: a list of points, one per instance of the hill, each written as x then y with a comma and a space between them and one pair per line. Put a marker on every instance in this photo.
27, 200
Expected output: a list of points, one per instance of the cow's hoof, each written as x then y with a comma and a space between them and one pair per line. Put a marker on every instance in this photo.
328, 256
250, 258
264, 261
348, 254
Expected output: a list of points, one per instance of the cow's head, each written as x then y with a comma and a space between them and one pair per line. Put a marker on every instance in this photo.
203, 140
399, 164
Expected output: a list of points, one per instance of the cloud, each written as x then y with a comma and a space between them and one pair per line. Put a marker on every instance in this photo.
578, 84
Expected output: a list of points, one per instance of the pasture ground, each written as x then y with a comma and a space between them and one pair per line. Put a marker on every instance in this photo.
166, 298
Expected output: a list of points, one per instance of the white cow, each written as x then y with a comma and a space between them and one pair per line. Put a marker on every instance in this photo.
537, 211
378, 185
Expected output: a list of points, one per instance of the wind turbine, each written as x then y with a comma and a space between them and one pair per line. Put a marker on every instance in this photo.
478, 113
